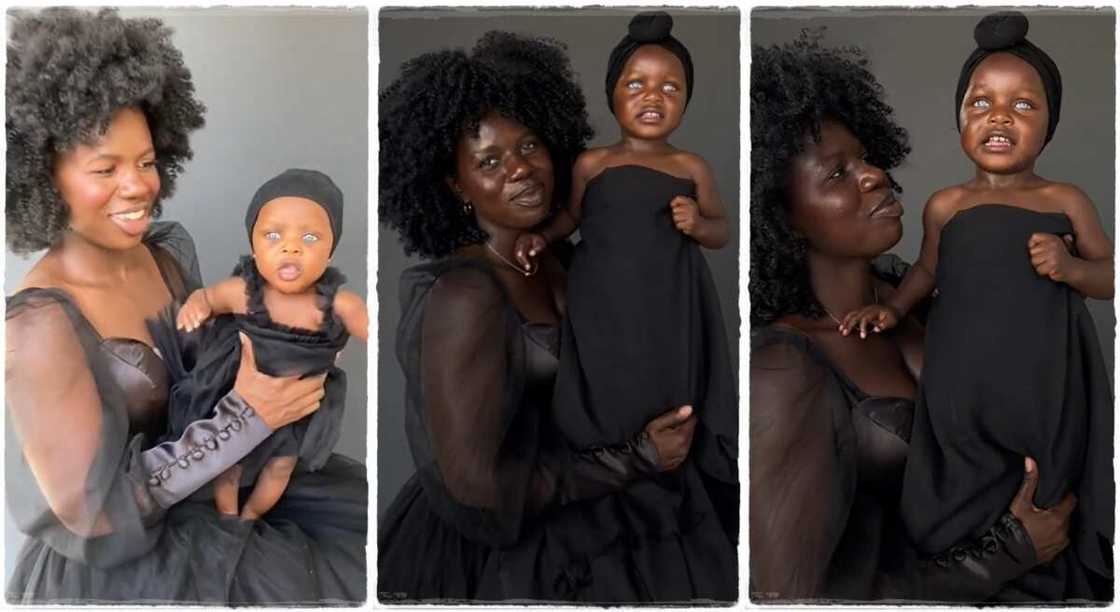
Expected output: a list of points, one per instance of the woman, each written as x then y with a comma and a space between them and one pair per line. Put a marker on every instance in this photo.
99, 110
474, 150
831, 413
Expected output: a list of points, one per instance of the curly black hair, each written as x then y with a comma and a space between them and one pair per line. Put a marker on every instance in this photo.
793, 88
69, 71
442, 95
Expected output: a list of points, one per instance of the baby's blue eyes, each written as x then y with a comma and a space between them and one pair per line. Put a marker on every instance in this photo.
1021, 105
272, 235
308, 237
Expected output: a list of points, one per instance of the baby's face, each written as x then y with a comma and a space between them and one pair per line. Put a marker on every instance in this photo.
650, 94
292, 242
1004, 115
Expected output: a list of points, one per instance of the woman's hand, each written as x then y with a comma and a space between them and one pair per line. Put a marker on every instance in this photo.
671, 434
527, 246
195, 311
1048, 529
278, 401
879, 316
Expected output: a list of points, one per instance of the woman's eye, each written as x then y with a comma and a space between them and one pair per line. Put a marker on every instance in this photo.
148, 165
103, 171
309, 237
529, 147
981, 103
488, 163
1024, 105
272, 235
837, 173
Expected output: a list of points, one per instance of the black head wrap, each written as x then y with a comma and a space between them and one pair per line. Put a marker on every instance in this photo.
652, 28
1006, 32
296, 183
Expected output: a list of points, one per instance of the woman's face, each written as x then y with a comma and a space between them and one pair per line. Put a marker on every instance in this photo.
841, 204
649, 97
110, 186
292, 241
505, 172
1004, 115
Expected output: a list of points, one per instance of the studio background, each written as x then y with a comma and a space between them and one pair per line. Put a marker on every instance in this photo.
283, 88
710, 128
917, 56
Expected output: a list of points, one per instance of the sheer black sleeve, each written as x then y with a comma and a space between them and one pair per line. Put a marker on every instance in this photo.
473, 429
802, 467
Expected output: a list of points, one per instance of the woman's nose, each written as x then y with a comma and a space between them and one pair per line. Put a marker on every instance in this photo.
520, 167
872, 178
132, 185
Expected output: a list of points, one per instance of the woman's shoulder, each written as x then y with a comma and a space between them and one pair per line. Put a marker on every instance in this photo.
455, 281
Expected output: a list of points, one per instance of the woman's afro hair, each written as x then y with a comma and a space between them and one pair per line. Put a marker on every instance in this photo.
442, 95
69, 72
794, 87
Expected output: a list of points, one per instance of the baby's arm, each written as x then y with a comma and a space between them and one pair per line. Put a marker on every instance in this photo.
919, 282
566, 220
1090, 273
351, 310
225, 297
703, 219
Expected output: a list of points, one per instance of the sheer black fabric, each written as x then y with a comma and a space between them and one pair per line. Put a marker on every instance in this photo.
103, 510
826, 465
211, 360
1013, 368
498, 498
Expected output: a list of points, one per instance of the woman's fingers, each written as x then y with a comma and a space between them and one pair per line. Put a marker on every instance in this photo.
1024, 499
669, 419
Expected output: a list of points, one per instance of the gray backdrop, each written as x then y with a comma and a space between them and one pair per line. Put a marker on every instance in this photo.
710, 129
917, 56
283, 88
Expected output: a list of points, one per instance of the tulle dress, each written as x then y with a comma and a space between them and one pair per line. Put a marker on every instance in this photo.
488, 516
209, 364
826, 465
133, 537
1013, 368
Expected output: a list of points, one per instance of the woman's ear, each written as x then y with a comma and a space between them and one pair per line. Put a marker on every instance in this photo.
454, 187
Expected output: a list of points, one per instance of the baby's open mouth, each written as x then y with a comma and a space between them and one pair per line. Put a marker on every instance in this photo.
289, 271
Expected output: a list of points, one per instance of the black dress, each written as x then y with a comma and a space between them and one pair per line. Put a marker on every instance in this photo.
644, 334
131, 541
826, 466
208, 367
1013, 368
480, 520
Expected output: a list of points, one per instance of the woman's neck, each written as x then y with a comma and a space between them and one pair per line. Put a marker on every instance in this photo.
85, 263
841, 285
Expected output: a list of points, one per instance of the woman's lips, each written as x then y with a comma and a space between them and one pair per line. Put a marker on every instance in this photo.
132, 222
529, 197
889, 208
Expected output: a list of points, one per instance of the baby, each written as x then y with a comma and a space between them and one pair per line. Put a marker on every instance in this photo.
643, 328
1013, 366
287, 300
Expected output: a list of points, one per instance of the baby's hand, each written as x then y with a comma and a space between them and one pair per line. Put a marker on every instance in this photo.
194, 312
1050, 256
879, 316
527, 245
686, 214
